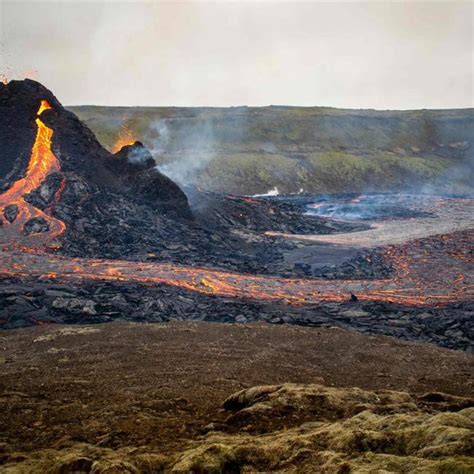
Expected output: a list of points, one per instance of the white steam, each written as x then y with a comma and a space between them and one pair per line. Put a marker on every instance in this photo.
186, 150
271, 192
138, 155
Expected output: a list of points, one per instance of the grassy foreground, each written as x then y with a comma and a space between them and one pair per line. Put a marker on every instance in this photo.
212, 397
295, 428
246, 150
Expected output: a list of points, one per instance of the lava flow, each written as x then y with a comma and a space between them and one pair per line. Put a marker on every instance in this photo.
42, 163
427, 272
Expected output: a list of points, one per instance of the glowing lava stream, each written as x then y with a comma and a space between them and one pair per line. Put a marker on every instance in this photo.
42, 163
445, 276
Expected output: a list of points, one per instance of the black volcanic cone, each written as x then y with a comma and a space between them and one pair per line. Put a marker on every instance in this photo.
78, 150
138, 173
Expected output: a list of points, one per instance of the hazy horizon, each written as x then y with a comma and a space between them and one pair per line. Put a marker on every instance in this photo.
154, 106
357, 55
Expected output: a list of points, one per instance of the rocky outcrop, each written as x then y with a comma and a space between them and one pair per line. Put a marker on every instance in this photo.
312, 428
10, 212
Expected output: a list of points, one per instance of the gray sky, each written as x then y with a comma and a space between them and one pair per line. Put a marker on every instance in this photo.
378, 54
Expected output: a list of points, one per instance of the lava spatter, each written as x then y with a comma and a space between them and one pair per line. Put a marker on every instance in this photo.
125, 137
42, 163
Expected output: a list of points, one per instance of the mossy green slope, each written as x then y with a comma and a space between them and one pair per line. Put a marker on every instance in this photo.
294, 428
248, 150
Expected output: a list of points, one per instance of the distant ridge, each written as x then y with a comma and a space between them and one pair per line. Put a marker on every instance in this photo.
248, 150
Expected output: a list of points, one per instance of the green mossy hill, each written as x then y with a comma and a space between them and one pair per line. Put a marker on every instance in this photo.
293, 428
252, 149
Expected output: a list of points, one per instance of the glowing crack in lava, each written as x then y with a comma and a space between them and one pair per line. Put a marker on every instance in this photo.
42, 163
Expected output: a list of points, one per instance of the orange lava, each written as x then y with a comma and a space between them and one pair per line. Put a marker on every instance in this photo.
42, 163
126, 137
418, 280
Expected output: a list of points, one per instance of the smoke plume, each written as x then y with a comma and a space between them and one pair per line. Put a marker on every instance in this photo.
183, 152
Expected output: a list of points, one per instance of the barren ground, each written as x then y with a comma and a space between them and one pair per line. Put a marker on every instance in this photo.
157, 385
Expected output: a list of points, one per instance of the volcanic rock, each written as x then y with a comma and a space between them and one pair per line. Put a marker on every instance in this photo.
17, 127
81, 305
36, 225
135, 154
326, 429
44, 195
139, 174
10, 212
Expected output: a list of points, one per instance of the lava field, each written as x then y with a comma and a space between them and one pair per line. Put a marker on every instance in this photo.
91, 236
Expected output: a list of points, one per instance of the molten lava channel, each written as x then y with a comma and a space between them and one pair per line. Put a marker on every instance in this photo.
42, 163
